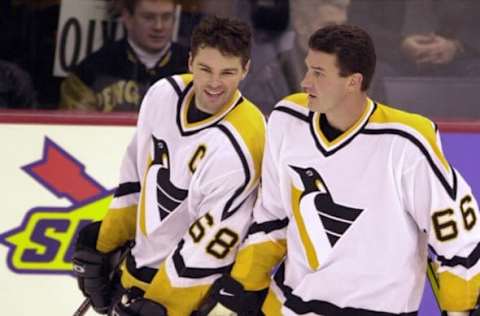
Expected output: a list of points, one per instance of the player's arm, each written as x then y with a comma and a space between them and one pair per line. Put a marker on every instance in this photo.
263, 249
100, 241
443, 206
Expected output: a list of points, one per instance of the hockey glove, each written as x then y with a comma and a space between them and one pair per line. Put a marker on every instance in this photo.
227, 297
92, 269
133, 303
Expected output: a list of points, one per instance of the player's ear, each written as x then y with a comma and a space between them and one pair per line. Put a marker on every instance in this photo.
246, 69
355, 81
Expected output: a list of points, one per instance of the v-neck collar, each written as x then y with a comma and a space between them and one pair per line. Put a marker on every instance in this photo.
188, 100
330, 147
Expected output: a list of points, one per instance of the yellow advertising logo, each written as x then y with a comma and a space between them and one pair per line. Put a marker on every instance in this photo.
45, 241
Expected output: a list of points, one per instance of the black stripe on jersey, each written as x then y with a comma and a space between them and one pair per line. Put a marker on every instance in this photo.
127, 188
179, 111
268, 227
299, 306
292, 112
226, 211
351, 137
175, 86
466, 262
194, 273
144, 274
451, 190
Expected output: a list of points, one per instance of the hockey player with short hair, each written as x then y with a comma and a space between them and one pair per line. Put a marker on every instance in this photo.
187, 184
354, 195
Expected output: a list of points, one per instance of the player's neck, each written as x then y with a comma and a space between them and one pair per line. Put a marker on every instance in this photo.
345, 115
203, 108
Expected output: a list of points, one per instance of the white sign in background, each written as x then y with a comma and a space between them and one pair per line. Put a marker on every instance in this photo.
100, 150
83, 27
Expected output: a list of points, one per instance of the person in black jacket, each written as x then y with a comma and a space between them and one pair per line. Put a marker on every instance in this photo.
16, 88
116, 77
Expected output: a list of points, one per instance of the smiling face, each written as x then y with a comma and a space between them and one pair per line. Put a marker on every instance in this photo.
215, 77
150, 25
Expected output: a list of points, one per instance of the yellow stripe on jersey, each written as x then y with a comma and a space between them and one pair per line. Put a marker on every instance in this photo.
300, 99
128, 280
457, 294
142, 217
249, 122
186, 78
272, 305
422, 125
345, 134
118, 226
179, 301
215, 117
255, 262
307, 243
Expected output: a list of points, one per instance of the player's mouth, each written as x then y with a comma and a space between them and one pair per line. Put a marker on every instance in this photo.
213, 94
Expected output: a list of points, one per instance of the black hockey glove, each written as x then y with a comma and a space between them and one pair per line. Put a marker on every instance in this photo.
133, 303
92, 269
227, 294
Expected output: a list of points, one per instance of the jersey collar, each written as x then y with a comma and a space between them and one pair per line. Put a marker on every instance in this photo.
187, 101
330, 147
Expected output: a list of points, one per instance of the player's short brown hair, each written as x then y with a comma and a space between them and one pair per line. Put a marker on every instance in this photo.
352, 46
231, 37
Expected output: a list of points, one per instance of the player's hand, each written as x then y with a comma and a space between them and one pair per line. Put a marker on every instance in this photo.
457, 313
133, 303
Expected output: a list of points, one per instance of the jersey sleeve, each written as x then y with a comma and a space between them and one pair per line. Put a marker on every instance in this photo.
442, 204
222, 197
119, 224
265, 245
76, 95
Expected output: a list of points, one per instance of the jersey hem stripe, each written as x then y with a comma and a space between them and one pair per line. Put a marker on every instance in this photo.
127, 188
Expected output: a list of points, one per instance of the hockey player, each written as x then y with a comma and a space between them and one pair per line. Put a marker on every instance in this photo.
354, 194
187, 184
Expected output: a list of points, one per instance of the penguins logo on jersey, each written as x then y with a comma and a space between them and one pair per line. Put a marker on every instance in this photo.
168, 195
336, 218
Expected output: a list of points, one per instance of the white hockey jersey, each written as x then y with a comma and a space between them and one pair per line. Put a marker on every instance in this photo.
352, 219
186, 193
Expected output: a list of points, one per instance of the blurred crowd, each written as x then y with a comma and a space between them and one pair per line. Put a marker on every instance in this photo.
427, 41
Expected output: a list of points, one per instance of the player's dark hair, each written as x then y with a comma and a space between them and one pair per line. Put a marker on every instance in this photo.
353, 47
130, 5
231, 37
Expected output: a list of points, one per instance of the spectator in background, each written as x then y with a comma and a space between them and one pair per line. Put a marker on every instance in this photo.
438, 38
423, 37
27, 39
116, 77
282, 75
16, 88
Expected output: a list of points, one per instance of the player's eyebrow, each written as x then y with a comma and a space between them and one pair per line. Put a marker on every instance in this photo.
318, 68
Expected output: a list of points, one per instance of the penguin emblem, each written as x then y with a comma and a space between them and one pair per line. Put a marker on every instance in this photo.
336, 218
168, 195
